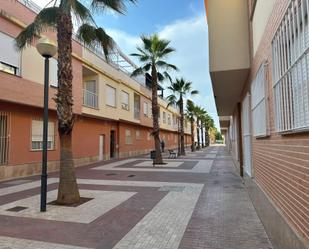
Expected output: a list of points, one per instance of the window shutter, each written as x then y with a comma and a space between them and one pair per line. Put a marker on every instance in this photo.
9, 54
53, 68
110, 96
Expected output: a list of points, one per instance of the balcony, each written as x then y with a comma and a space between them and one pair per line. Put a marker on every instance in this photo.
229, 57
90, 99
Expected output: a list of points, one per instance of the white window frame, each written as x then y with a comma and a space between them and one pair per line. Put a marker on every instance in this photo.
290, 56
91, 98
137, 134
260, 127
125, 100
146, 109
164, 117
53, 69
10, 57
38, 138
128, 137
108, 94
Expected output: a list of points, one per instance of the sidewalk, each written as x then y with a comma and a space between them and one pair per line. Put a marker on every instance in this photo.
192, 202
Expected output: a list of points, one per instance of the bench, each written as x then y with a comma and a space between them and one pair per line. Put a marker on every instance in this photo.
172, 154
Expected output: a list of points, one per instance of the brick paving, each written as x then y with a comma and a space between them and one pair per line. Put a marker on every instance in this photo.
196, 201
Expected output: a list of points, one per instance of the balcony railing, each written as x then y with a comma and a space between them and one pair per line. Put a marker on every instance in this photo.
90, 99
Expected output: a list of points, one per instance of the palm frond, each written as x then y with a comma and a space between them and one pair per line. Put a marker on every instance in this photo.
46, 18
166, 65
171, 100
115, 5
137, 72
81, 12
94, 37
194, 92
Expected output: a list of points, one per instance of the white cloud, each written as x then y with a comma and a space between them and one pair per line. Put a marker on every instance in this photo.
190, 39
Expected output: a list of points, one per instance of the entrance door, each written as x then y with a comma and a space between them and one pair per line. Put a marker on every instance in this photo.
112, 144
4, 138
246, 133
101, 147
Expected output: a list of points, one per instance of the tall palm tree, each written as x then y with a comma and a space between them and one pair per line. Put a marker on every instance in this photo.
200, 112
180, 89
59, 18
208, 124
191, 114
152, 55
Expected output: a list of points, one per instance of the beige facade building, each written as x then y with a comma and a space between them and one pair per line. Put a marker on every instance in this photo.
259, 66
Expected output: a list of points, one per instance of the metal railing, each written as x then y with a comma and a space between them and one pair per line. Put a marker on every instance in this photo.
90, 99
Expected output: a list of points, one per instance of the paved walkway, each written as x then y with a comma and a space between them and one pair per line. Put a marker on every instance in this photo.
192, 202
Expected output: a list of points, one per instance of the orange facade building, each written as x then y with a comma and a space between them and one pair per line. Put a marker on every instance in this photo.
113, 110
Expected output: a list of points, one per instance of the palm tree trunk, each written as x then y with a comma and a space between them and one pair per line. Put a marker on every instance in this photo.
202, 135
206, 136
198, 134
68, 190
155, 115
182, 133
192, 135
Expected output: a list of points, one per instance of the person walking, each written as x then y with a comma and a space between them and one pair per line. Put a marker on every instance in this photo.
162, 145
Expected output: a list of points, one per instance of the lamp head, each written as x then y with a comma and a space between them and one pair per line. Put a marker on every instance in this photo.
46, 47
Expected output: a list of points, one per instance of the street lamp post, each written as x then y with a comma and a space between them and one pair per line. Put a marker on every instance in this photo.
47, 48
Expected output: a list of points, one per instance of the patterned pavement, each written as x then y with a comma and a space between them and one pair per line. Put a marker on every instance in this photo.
193, 202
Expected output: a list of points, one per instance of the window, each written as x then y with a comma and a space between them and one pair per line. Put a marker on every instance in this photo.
9, 56
146, 109
164, 117
169, 119
291, 69
124, 100
258, 108
138, 134
128, 137
90, 94
137, 106
110, 96
53, 68
37, 135
148, 135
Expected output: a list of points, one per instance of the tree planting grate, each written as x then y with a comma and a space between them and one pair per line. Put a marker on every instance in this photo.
131, 175
111, 174
82, 201
16, 209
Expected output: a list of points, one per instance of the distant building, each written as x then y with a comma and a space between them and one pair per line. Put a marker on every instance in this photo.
259, 66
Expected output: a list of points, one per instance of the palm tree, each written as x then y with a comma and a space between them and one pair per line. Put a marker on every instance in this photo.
59, 18
190, 114
152, 55
180, 89
208, 124
200, 112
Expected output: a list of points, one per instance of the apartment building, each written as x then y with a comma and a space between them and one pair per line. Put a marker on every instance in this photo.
259, 66
113, 110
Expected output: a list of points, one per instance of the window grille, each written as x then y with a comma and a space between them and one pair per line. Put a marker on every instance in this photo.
124, 100
90, 92
258, 103
291, 69
4, 137
37, 135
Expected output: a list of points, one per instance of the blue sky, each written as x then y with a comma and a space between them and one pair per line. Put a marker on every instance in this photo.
181, 21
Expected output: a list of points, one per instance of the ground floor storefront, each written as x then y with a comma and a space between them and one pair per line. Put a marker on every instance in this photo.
93, 140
